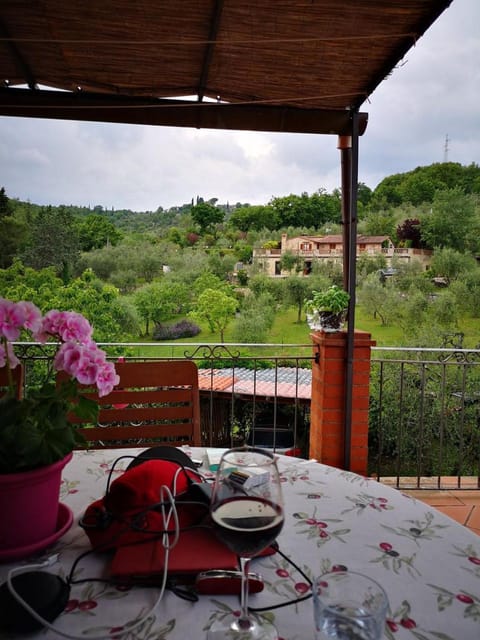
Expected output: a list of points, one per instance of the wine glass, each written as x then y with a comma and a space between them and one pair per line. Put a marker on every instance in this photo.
247, 512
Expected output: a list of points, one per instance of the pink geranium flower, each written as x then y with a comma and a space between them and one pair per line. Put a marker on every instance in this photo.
49, 325
107, 379
32, 314
12, 319
68, 357
77, 355
75, 327
87, 370
8, 357
66, 326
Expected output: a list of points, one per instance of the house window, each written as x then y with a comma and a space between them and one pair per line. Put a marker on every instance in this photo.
278, 270
305, 246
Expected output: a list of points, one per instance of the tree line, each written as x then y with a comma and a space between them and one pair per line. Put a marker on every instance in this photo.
148, 268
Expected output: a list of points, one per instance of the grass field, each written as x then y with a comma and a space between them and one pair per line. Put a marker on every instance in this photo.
286, 330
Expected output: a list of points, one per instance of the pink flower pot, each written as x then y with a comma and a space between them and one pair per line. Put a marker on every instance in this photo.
29, 505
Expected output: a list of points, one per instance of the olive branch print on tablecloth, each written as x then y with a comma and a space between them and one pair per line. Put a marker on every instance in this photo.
419, 530
103, 467
89, 599
403, 618
68, 487
392, 560
290, 584
292, 474
314, 528
470, 554
349, 476
327, 565
364, 501
313, 495
145, 631
469, 601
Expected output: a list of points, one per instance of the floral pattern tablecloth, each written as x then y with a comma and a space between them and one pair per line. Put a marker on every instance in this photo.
428, 564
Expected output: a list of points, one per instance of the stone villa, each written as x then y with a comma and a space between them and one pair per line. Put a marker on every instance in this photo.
330, 248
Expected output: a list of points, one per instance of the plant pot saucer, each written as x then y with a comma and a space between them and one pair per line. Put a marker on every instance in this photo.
64, 522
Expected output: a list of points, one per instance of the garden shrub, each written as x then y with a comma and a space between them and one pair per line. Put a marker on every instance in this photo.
181, 329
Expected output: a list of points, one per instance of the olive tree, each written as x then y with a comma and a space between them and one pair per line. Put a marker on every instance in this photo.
215, 307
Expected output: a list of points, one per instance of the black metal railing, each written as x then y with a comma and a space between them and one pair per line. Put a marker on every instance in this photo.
256, 393
424, 417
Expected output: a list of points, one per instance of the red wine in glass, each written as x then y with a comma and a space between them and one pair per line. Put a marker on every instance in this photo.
246, 508
247, 524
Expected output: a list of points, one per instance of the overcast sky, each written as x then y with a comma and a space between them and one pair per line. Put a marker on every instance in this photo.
435, 92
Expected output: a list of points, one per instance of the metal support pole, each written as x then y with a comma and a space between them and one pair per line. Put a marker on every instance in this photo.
345, 146
348, 146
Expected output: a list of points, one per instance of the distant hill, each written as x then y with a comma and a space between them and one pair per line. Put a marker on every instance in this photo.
413, 187
420, 184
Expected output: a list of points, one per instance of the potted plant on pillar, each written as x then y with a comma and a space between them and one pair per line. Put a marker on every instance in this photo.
326, 310
36, 437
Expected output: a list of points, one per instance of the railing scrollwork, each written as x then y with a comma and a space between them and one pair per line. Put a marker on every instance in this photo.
462, 356
35, 350
212, 352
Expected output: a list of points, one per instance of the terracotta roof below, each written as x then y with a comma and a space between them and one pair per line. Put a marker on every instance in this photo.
283, 382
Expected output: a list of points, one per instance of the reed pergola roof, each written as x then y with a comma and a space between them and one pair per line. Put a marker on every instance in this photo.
265, 65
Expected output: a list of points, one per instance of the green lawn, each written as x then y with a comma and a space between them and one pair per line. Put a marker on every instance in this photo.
392, 335
286, 330
384, 336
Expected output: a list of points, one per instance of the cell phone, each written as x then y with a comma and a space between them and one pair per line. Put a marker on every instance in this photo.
225, 582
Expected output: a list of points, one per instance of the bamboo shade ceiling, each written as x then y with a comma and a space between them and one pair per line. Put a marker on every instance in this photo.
263, 64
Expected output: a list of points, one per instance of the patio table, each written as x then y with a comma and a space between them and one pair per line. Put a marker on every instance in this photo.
428, 564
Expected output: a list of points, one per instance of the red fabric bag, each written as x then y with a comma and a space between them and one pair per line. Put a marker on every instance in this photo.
129, 520
130, 512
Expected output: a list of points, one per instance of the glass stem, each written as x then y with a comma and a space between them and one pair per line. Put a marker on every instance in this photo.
244, 621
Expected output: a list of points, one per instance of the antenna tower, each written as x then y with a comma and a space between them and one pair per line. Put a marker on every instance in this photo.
445, 149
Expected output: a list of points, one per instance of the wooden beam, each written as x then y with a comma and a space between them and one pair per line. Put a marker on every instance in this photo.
97, 107
19, 60
212, 38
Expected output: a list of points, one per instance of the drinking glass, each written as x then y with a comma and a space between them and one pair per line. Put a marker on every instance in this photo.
247, 511
349, 606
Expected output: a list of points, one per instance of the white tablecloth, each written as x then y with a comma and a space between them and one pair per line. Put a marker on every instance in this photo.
428, 564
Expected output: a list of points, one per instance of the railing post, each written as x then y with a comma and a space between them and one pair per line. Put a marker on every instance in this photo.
327, 424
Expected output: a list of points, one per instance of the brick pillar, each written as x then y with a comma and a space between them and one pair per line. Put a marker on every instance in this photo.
328, 399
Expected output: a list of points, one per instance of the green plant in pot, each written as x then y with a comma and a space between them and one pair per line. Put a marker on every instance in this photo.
326, 310
36, 436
